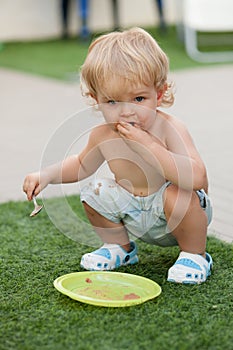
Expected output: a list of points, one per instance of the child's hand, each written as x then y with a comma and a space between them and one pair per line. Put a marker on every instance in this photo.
133, 132
34, 183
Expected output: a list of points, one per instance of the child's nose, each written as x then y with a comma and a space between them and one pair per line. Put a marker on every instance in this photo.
126, 110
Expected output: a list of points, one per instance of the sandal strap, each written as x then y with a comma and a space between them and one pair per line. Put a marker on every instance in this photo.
190, 268
109, 257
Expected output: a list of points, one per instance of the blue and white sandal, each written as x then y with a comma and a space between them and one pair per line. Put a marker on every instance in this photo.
190, 269
109, 257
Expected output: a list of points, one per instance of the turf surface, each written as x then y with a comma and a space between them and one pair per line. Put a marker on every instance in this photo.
34, 315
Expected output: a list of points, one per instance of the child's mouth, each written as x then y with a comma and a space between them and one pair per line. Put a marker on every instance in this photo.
131, 123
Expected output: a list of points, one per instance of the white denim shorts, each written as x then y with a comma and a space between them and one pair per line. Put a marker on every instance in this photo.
143, 217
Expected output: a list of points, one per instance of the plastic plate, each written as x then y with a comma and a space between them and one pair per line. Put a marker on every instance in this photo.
110, 289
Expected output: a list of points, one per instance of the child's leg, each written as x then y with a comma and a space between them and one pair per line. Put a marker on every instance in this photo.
186, 219
188, 223
108, 231
117, 249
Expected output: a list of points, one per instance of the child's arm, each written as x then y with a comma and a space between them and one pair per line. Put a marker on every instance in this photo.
185, 170
177, 160
72, 169
190, 170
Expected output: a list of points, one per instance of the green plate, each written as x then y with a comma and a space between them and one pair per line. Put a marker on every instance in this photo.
104, 288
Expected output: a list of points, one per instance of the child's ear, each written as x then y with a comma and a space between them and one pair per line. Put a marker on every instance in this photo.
160, 94
93, 96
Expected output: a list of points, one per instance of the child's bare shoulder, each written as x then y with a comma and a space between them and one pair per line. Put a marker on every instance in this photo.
170, 123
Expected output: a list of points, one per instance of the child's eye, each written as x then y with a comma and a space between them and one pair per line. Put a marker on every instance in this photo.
139, 98
111, 102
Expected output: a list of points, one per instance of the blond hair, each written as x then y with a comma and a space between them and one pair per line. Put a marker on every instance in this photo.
132, 55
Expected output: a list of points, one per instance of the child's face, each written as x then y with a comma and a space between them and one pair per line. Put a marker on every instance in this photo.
131, 104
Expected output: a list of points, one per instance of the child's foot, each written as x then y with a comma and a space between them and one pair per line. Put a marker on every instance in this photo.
190, 269
109, 257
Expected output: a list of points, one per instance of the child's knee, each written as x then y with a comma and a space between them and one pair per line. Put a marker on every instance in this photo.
178, 202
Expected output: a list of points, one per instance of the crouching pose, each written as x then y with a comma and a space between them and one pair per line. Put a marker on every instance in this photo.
159, 190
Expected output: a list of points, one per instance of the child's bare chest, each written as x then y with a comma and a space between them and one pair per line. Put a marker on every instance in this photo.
128, 166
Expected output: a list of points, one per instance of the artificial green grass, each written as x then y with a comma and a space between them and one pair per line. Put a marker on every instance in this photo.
61, 59
55, 59
34, 315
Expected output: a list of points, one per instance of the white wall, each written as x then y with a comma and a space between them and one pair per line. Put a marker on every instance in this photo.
35, 19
